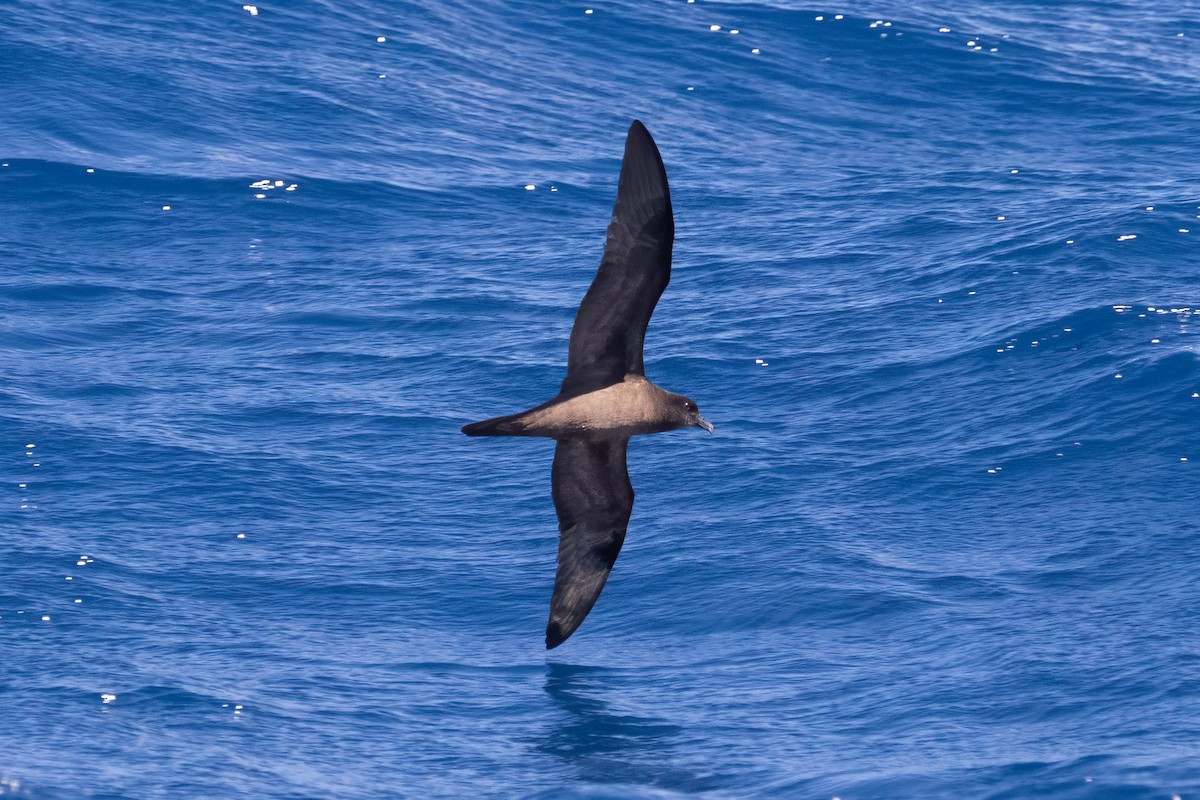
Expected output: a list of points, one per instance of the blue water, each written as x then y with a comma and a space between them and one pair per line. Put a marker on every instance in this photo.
942, 544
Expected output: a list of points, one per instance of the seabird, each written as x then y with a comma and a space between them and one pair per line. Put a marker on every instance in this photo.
606, 397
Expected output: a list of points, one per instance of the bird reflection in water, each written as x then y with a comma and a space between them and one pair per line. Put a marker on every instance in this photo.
606, 746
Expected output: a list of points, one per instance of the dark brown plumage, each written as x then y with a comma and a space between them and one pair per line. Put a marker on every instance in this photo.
605, 397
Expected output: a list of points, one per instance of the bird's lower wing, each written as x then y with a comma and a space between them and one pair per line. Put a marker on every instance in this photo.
593, 498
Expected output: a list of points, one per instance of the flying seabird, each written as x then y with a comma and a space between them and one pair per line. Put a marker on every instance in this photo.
606, 397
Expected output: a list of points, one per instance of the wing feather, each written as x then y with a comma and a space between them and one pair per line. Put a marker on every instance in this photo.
593, 498
610, 327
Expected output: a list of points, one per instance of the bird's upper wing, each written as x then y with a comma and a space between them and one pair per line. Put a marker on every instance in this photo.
606, 342
593, 498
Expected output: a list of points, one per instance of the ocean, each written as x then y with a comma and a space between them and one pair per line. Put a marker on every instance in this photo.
936, 284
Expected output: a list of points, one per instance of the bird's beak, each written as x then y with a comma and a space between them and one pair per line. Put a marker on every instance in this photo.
703, 423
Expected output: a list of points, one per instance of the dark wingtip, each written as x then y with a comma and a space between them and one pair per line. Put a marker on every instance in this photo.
639, 131
643, 180
555, 635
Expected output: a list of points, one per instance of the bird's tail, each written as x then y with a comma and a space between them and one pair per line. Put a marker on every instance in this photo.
497, 426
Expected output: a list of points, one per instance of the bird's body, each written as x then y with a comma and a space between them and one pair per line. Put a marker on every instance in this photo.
629, 407
606, 397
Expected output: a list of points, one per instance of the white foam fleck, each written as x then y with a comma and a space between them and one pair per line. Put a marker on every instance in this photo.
819, 19
1070, 241
259, 196
1013, 171
714, 27
588, 11
107, 698
1126, 237
838, 16
529, 187
1184, 230
253, 10
756, 51
166, 208
45, 618
78, 600
91, 170
1118, 375
1000, 218
381, 39
1149, 208
943, 30
241, 536
734, 32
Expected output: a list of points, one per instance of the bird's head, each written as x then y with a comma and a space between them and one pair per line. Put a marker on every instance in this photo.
688, 414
